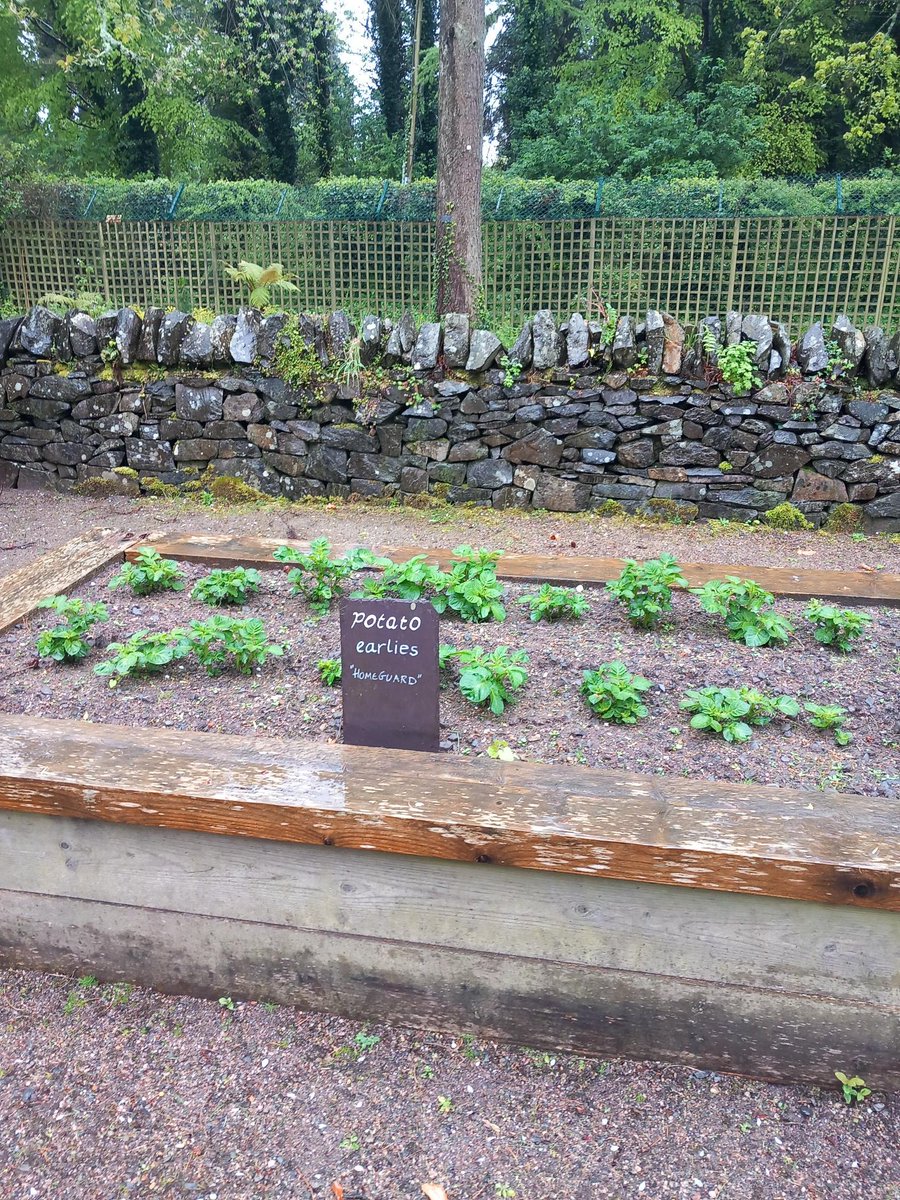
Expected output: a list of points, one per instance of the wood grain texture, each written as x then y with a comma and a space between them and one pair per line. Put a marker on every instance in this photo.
772, 988
56, 572
850, 587
836, 849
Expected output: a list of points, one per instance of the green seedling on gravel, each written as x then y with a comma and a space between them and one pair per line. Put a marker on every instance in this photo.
143, 654
76, 998
747, 609
613, 694
366, 1041
488, 679
838, 627
68, 642
150, 572
410, 580
318, 577
350, 1142
556, 603
732, 712
501, 750
830, 716
227, 1003
330, 671
427, 1071
120, 993
221, 639
445, 1105
471, 588
504, 1191
853, 1087
234, 586
645, 589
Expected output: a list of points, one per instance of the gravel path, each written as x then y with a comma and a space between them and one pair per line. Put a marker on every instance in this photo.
108, 1092
105, 1094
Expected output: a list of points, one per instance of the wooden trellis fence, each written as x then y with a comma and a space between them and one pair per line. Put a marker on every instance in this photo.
795, 268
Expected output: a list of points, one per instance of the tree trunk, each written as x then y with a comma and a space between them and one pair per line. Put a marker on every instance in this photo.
460, 129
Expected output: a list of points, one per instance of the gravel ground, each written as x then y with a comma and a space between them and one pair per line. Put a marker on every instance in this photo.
105, 1094
108, 1092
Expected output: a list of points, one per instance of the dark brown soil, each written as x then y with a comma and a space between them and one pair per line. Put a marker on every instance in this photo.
550, 722
106, 1094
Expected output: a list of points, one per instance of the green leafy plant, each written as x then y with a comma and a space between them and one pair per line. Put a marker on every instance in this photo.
512, 369
787, 518
838, 627
732, 712
330, 671
232, 586
243, 641
556, 603
295, 360
488, 678
830, 716
259, 281
349, 369
613, 694
645, 589
68, 642
853, 1087
738, 366
144, 653
409, 580
471, 588
150, 572
318, 577
747, 610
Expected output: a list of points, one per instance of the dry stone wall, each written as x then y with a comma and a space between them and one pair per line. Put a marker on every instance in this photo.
571, 425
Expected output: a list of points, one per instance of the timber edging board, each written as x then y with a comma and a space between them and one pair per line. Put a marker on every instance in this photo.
59, 570
815, 846
850, 587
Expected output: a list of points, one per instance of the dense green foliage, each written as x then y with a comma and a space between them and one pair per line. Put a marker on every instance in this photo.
731, 712
67, 642
556, 603
220, 641
227, 586
837, 627
318, 577
577, 89
747, 609
144, 653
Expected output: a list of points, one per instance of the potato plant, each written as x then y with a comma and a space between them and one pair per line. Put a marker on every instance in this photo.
242, 642
410, 580
144, 653
830, 716
732, 712
489, 679
645, 589
471, 588
68, 641
318, 577
613, 693
233, 586
747, 609
837, 627
150, 572
330, 671
556, 603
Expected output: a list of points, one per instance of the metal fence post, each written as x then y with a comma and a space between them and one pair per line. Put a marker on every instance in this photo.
598, 203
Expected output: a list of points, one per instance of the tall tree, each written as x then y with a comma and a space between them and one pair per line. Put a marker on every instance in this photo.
460, 133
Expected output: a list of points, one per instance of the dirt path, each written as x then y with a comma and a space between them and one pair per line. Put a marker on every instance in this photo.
105, 1094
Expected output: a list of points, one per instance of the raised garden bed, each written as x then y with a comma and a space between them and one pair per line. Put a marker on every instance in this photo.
550, 721
512, 898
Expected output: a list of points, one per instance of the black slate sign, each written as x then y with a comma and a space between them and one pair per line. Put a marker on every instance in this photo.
389, 678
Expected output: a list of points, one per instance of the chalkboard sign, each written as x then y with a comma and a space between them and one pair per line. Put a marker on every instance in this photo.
389, 676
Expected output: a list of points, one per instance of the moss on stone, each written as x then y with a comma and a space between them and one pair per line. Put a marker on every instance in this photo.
609, 508
786, 517
157, 489
669, 512
125, 472
844, 518
230, 490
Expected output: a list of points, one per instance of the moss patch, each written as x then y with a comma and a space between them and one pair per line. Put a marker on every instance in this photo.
669, 512
786, 517
844, 518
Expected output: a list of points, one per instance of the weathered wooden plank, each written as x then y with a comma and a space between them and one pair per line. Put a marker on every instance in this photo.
850, 587
723, 938
452, 947
818, 846
59, 570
